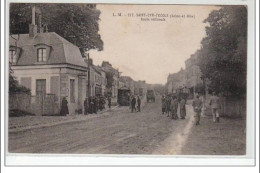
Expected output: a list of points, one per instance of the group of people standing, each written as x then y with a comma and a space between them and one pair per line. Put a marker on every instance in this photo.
94, 104
133, 101
170, 106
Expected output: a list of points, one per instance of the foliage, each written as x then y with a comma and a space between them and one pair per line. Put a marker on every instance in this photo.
223, 56
110, 79
78, 23
14, 87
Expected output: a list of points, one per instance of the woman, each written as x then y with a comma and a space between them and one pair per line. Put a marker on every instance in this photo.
182, 108
64, 107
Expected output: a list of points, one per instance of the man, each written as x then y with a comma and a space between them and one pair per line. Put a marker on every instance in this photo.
215, 106
168, 105
86, 105
197, 106
163, 104
182, 108
174, 108
138, 104
109, 101
133, 102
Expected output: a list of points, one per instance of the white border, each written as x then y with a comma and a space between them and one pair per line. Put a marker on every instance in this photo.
144, 160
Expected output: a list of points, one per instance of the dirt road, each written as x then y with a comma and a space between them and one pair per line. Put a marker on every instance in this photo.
117, 132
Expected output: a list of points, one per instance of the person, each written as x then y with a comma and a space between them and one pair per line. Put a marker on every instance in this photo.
174, 108
64, 107
133, 102
109, 101
91, 105
86, 105
168, 105
215, 106
182, 108
138, 104
163, 104
197, 106
95, 104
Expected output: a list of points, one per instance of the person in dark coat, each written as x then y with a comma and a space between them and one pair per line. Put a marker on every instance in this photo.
64, 107
163, 105
174, 108
109, 101
86, 106
95, 105
133, 102
91, 105
183, 108
138, 104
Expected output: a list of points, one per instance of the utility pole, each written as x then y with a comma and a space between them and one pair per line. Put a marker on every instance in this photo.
88, 76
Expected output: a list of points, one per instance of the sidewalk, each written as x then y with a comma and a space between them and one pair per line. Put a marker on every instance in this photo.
17, 124
225, 138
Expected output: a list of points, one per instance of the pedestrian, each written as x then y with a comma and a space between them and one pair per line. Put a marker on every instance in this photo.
174, 108
163, 104
91, 105
133, 102
64, 107
109, 102
215, 106
95, 104
138, 104
183, 108
197, 106
86, 105
168, 105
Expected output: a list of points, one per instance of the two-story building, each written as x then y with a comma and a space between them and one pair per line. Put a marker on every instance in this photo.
49, 66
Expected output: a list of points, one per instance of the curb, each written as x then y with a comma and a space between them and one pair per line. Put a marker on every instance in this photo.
59, 122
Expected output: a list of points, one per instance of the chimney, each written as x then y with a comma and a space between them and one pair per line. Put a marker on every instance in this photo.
32, 26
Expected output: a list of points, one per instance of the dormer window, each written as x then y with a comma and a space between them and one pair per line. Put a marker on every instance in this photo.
12, 57
41, 55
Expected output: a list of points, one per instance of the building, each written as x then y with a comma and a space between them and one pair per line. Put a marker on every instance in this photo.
176, 81
193, 74
107, 67
128, 82
140, 88
51, 67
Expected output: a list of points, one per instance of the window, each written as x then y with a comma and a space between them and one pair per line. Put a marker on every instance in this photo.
12, 56
72, 90
41, 55
40, 86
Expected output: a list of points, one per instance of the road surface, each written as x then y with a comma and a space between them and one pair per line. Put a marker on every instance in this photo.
116, 132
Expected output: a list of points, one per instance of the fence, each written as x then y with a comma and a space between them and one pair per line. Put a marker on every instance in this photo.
230, 107
41, 104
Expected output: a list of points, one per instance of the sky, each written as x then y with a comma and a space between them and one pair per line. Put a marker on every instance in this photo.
150, 50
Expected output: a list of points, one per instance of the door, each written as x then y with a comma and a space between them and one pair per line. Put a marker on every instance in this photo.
40, 94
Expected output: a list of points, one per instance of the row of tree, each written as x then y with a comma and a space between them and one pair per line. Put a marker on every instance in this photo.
223, 54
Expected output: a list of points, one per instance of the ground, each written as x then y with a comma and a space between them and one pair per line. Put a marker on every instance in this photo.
118, 131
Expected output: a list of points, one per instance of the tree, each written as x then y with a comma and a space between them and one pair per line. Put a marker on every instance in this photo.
14, 87
78, 23
223, 56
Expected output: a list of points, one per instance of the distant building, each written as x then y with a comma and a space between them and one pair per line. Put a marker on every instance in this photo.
193, 73
176, 81
128, 82
107, 67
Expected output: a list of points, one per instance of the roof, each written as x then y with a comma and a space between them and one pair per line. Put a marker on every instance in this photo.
61, 50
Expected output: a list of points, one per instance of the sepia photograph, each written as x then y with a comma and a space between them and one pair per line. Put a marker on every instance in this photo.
127, 79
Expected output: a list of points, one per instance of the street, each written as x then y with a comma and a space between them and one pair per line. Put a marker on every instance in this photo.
115, 132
